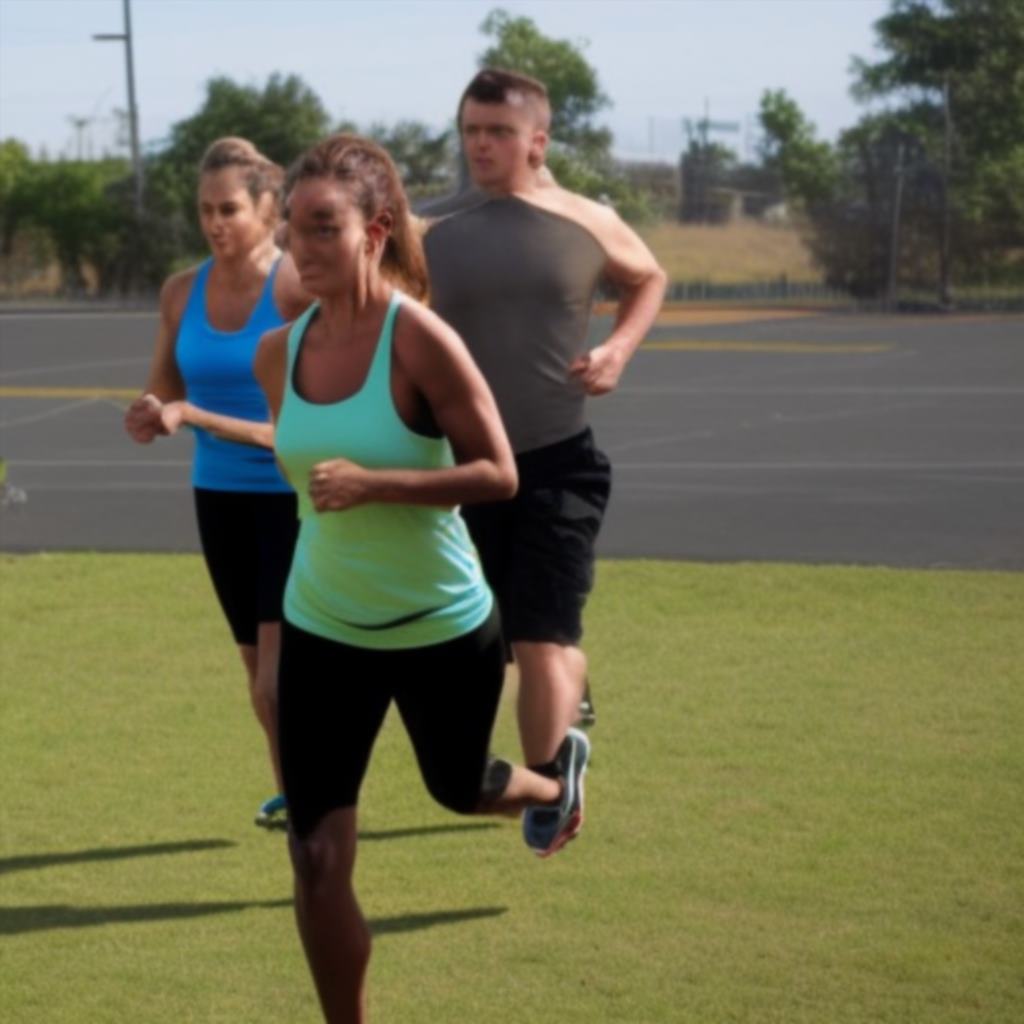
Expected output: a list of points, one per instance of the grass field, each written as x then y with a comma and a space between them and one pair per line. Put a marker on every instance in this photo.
806, 807
739, 253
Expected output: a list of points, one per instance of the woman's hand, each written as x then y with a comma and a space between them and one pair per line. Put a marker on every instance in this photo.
142, 420
147, 418
338, 484
172, 416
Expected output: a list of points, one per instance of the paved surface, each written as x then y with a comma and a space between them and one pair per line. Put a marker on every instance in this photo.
844, 438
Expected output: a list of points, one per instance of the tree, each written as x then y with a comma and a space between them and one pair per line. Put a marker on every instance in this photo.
72, 201
15, 167
960, 64
806, 167
424, 158
281, 119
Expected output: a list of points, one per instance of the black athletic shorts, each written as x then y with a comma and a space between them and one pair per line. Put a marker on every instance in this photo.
248, 538
537, 549
332, 699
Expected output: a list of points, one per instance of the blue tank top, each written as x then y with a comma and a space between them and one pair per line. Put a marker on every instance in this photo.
385, 575
216, 367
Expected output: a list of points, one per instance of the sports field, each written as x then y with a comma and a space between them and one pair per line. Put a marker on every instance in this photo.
805, 808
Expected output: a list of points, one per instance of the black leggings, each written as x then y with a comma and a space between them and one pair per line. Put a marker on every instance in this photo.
332, 701
247, 539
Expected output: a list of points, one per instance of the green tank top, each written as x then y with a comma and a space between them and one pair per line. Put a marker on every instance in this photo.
384, 576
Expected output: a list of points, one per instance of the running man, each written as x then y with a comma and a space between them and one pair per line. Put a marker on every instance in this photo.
515, 271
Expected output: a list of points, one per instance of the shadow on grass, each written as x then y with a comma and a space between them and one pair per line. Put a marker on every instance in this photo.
22, 920
426, 830
415, 922
30, 861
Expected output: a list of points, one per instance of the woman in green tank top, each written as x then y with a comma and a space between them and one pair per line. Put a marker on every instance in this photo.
384, 426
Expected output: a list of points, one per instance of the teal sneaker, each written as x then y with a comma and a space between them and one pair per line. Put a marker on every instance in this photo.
547, 829
273, 813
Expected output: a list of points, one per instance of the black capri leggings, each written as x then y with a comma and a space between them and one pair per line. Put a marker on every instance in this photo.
248, 538
332, 700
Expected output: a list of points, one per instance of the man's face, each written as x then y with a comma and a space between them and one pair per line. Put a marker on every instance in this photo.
502, 143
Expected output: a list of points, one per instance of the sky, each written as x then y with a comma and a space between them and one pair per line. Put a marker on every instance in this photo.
659, 61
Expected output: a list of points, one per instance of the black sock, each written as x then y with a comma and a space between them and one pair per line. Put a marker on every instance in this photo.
548, 769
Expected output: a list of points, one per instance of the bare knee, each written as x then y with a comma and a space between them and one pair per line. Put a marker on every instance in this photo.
317, 862
323, 891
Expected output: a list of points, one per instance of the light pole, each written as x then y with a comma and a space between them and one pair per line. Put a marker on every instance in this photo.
133, 110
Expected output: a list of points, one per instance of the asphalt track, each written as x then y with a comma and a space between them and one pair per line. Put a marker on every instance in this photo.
735, 436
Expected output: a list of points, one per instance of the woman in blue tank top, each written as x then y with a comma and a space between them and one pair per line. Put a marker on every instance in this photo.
384, 426
211, 319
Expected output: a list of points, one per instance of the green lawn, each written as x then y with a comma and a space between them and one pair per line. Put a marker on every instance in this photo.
806, 807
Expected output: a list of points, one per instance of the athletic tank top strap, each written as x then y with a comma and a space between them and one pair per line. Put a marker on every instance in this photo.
195, 308
295, 335
377, 385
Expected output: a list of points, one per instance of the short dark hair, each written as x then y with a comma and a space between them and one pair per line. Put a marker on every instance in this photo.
496, 85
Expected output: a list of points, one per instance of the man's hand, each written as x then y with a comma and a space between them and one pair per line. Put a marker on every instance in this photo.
598, 370
338, 484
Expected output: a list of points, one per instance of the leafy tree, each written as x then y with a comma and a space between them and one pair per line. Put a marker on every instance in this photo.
934, 183
805, 166
958, 66
281, 119
71, 200
975, 48
15, 167
425, 159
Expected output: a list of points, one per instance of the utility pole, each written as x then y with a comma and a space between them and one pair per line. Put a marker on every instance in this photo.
894, 236
80, 124
945, 297
133, 110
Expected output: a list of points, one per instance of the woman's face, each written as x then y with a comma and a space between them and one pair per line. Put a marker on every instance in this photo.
231, 221
327, 236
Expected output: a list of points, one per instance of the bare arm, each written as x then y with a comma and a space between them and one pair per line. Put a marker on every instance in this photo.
228, 428
164, 384
439, 367
641, 283
269, 367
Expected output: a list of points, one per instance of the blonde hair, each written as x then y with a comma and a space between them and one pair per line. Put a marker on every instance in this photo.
261, 175
370, 175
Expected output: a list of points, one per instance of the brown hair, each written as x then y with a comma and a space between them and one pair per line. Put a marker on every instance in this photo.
370, 175
496, 85
261, 174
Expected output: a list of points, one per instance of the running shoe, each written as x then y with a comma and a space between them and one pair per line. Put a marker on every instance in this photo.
586, 716
273, 813
547, 829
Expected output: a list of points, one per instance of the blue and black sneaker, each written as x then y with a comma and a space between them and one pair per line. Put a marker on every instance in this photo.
273, 814
547, 829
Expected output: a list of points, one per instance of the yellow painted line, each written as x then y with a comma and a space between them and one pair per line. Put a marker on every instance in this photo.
681, 314
759, 346
58, 392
